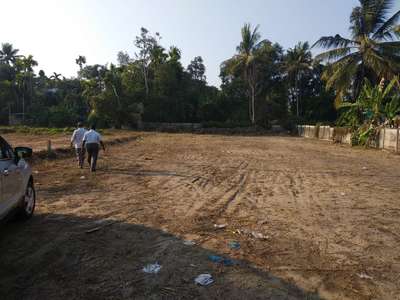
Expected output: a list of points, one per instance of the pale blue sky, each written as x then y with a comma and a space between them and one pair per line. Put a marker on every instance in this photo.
57, 31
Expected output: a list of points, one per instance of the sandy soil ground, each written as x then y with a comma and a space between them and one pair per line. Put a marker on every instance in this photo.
314, 221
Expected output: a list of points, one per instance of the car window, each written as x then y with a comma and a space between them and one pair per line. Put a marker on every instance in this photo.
5, 151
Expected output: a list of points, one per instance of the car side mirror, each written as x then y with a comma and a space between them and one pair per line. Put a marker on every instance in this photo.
23, 152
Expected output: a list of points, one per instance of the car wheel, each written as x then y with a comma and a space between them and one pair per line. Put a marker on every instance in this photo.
28, 202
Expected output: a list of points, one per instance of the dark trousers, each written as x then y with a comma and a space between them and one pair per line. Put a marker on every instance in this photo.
93, 152
80, 156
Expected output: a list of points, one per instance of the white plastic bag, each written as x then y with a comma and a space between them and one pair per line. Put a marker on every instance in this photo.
152, 268
204, 279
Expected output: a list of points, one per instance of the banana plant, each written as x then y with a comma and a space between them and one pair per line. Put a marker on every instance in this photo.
392, 110
375, 108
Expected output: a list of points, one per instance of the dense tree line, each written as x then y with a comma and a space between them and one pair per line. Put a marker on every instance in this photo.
262, 84
154, 86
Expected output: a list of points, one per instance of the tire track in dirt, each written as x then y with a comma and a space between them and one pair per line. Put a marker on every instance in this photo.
213, 202
232, 198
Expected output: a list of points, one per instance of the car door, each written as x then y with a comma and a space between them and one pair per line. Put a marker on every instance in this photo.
11, 179
2, 198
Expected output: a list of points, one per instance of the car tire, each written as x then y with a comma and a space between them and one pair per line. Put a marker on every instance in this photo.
28, 202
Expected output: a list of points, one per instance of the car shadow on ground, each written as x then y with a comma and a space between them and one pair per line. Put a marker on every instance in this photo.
70, 257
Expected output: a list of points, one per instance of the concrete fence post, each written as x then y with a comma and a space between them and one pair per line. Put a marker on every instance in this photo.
384, 137
49, 150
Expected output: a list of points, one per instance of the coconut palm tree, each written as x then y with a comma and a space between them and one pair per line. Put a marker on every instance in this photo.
297, 62
80, 61
8, 54
174, 53
245, 61
56, 76
25, 65
29, 63
372, 51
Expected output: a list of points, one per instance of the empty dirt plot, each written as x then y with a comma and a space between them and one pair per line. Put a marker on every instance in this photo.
314, 221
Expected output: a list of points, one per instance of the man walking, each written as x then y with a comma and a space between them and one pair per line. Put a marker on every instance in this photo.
76, 142
92, 141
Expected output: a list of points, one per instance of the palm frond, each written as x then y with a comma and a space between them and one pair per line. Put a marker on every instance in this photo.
256, 35
375, 13
250, 38
391, 47
381, 65
334, 54
235, 65
334, 41
341, 75
386, 31
397, 30
357, 27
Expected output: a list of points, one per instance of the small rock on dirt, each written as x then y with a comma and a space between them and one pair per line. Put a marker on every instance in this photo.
189, 243
365, 276
220, 226
259, 236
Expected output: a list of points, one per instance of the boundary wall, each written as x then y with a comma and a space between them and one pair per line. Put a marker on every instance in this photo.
389, 138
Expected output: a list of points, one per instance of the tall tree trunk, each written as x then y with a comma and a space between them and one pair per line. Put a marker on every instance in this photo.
146, 81
296, 87
251, 79
250, 112
253, 101
9, 113
23, 100
23, 108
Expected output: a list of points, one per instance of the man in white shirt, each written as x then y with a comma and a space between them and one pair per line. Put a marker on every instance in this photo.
92, 141
76, 142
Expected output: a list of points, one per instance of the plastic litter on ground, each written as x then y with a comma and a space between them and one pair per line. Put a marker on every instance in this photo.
204, 279
152, 268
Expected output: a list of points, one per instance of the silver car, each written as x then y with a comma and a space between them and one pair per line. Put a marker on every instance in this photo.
17, 192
